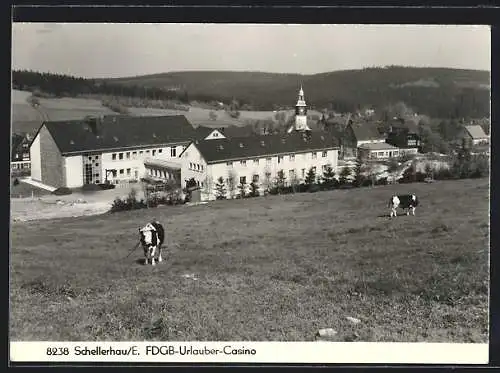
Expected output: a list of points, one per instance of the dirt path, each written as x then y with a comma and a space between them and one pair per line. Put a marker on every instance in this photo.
76, 204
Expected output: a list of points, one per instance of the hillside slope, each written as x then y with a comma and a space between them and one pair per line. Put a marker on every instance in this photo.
276, 268
439, 92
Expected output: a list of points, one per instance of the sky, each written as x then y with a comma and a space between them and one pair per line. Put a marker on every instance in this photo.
107, 50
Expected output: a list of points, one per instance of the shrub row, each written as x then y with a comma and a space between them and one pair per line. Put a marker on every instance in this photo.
153, 200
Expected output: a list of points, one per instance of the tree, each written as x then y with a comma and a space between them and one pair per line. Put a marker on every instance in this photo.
280, 181
208, 185
294, 182
310, 178
344, 175
409, 175
254, 189
242, 186
462, 165
328, 178
231, 183
358, 168
428, 170
191, 183
220, 189
267, 179
392, 165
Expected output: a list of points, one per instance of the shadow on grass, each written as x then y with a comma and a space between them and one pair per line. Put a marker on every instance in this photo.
389, 216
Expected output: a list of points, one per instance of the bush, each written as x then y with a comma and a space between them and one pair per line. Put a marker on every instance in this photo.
107, 186
420, 177
381, 181
91, 187
63, 191
366, 182
443, 174
314, 188
129, 203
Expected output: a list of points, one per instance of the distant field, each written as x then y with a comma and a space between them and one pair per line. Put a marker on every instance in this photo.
25, 118
269, 268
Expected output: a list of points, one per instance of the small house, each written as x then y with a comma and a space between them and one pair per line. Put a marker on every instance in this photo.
474, 135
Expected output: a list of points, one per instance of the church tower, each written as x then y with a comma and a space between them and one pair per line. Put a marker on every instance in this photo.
300, 114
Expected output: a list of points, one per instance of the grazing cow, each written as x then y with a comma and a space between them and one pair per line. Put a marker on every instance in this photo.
152, 236
405, 201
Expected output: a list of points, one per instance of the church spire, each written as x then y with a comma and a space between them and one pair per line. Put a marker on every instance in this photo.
300, 113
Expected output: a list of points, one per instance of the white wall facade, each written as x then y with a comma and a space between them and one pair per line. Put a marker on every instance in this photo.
36, 159
480, 141
129, 163
193, 165
73, 168
408, 151
264, 168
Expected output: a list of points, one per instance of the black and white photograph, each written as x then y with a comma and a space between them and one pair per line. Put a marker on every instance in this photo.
250, 182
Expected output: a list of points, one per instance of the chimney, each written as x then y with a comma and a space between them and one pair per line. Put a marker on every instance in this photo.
95, 125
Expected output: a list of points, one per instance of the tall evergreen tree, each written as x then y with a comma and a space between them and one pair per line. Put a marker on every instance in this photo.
328, 178
220, 189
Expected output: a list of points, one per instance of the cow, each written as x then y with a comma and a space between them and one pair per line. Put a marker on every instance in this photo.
405, 201
152, 236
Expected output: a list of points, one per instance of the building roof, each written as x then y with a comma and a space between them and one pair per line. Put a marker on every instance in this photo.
238, 131
214, 151
366, 131
411, 124
476, 132
155, 162
77, 136
378, 146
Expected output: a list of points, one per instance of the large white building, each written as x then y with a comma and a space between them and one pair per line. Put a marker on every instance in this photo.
115, 149
121, 149
257, 159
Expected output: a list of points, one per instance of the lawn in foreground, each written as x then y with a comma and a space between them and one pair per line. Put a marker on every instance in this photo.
270, 268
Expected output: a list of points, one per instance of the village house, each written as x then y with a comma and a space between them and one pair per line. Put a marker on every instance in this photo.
379, 151
473, 135
20, 153
257, 159
358, 134
404, 134
115, 149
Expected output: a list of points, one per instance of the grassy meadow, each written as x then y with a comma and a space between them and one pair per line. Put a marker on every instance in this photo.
25, 118
268, 268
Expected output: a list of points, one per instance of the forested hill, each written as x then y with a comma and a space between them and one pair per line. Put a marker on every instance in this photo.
437, 92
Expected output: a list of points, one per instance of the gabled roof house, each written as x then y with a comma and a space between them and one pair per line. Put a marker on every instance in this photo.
109, 149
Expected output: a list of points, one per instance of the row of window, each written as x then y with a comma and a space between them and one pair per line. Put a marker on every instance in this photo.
385, 154
160, 173
291, 175
291, 158
195, 167
121, 171
134, 154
